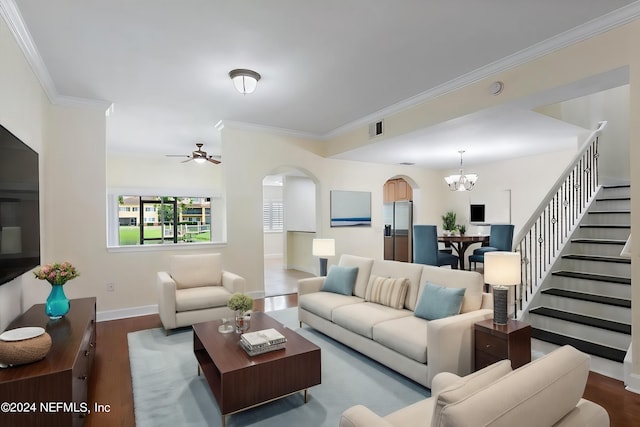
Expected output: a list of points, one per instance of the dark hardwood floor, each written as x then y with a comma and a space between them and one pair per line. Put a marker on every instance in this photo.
111, 377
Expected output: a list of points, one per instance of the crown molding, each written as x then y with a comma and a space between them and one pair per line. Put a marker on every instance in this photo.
585, 31
9, 11
266, 129
11, 15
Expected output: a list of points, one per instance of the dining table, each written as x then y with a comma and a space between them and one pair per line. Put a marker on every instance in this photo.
461, 242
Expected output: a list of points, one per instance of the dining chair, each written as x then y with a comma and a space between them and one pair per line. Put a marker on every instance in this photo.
425, 248
500, 239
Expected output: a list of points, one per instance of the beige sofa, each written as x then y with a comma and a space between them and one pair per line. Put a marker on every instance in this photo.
545, 392
195, 289
415, 347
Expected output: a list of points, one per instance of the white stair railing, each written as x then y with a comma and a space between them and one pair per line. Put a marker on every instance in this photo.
545, 234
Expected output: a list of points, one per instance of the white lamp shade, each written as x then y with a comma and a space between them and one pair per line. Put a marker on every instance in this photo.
324, 247
502, 268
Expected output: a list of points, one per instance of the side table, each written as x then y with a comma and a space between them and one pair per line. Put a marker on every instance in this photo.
498, 342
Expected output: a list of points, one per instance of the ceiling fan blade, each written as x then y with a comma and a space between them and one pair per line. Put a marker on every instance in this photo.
177, 155
214, 161
188, 160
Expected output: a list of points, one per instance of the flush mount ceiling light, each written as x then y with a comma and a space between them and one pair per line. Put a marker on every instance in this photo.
461, 182
245, 81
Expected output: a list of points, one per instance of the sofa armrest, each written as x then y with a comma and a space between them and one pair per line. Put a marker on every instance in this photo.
450, 343
487, 301
586, 413
232, 282
361, 416
442, 381
310, 285
166, 299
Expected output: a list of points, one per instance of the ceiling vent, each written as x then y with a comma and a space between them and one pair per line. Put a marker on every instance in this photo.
375, 129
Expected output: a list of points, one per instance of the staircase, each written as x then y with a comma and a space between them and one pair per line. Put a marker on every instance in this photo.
585, 301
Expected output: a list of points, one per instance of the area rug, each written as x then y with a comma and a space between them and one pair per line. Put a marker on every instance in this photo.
168, 392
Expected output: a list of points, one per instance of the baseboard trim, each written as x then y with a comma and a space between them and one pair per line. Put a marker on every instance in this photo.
123, 313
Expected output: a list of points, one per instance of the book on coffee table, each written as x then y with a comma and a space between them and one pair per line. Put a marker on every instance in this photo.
259, 342
263, 338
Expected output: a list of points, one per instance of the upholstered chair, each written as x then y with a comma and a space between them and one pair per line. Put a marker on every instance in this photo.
425, 248
195, 289
500, 239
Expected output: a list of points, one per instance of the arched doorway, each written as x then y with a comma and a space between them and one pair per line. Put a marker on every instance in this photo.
289, 225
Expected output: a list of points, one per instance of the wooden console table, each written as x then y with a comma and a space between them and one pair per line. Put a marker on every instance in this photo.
62, 376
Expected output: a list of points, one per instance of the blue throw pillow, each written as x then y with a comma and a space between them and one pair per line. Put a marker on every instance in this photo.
340, 280
437, 302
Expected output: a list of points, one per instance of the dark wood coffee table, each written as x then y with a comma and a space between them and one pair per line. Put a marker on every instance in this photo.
239, 381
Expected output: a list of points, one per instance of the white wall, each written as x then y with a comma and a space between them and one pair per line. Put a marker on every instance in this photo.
299, 204
587, 111
23, 109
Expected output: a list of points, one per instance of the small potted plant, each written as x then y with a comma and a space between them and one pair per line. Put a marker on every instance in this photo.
449, 223
241, 304
462, 229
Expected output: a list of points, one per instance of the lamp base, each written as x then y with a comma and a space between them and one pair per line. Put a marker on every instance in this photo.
323, 266
500, 296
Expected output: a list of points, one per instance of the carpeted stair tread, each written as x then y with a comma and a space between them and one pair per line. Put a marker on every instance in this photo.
600, 241
599, 350
595, 322
593, 276
583, 296
601, 258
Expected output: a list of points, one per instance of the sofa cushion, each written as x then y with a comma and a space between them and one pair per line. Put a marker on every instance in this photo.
323, 303
340, 280
201, 297
554, 382
387, 291
407, 336
467, 386
411, 271
437, 302
471, 280
364, 271
191, 271
360, 318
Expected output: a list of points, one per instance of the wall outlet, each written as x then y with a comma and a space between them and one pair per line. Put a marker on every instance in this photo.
111, 287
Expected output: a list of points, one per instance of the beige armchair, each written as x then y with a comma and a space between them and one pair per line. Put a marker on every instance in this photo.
195, 289
545, 392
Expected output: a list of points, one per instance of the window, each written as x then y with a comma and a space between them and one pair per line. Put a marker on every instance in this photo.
273, 215
160, 220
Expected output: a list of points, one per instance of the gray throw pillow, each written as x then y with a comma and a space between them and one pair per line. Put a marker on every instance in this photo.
340, 280
437, 302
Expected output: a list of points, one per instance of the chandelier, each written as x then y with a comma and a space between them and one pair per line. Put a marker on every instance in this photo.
461, 182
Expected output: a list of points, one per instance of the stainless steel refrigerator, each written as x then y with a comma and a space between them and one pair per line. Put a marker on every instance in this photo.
398, 231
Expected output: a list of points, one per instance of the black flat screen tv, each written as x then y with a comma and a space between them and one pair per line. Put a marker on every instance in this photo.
476, 213
19, 207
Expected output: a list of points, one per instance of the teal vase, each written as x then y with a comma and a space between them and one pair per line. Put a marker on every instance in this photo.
57, 303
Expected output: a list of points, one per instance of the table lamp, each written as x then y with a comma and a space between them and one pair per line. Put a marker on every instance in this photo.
501, 270
323, 248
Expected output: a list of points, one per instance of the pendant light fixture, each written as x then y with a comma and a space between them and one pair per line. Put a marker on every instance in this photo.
461, 182
244, 80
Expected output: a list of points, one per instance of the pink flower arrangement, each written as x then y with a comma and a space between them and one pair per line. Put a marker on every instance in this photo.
57, 273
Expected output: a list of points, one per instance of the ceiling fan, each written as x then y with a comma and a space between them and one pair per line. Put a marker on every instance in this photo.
198, 155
